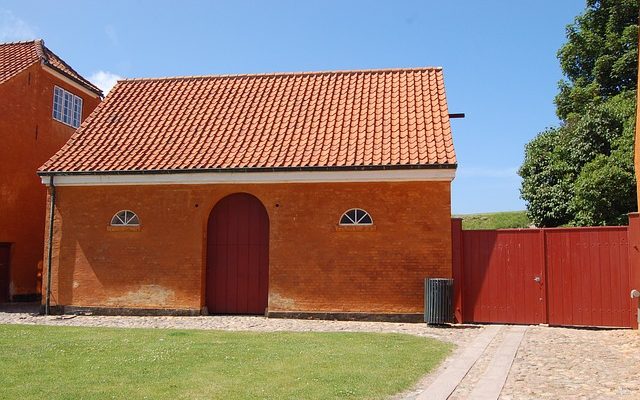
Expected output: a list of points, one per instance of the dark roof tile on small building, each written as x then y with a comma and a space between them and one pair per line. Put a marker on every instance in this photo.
341, 119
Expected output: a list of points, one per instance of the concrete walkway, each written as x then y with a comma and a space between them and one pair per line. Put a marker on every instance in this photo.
490, 356
493, 379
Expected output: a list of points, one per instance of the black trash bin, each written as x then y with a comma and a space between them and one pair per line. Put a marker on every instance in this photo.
438, 301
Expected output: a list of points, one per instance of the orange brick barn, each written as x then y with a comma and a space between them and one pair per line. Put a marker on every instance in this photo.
42, 102
313, 194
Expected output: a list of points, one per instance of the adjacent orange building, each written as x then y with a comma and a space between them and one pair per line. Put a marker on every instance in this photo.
314, 194
33, 80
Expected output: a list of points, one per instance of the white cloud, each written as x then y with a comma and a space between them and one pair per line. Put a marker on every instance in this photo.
483, 172
104, 80
13, 28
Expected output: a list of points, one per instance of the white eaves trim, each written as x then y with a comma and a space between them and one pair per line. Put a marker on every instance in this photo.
69, 81
402, 175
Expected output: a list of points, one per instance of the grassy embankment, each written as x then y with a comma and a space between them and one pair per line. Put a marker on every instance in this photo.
497, 220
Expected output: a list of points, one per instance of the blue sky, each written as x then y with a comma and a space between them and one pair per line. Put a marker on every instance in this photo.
499, 57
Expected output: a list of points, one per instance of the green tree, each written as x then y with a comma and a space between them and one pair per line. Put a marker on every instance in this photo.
581, 173
600, 58
549, 182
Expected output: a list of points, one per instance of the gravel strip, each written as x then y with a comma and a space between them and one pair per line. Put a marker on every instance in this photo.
457, 335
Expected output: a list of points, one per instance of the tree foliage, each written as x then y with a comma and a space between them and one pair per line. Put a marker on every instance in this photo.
581, 173
600, 58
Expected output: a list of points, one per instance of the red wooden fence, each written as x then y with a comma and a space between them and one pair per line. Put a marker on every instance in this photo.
567, 277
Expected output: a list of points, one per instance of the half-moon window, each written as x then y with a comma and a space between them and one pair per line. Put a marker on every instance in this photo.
356, 216
125, 218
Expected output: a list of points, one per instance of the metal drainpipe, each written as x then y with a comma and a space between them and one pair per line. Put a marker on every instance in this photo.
47, 301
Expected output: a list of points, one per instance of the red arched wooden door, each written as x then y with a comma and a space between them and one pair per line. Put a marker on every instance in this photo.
238, 256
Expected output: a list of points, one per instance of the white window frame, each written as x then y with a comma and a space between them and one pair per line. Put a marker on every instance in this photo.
125, 218
358, 218
67, 107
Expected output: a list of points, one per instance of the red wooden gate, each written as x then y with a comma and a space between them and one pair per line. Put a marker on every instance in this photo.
503, 277
238, 256
566, 277
588, 276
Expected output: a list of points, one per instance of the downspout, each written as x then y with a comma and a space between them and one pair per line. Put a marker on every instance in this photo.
47, 301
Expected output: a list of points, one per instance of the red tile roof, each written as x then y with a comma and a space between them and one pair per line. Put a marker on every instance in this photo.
344, 119
17, 56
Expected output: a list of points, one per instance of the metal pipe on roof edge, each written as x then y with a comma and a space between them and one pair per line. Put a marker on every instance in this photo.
47, 301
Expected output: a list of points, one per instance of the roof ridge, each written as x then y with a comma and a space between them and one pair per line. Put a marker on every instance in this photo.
20, 42
274, 74
41, 50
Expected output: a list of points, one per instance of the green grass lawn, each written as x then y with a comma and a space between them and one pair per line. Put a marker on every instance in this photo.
498, 220
44, 362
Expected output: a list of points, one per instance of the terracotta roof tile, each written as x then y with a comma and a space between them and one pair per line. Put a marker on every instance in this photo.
17, 56
376, 118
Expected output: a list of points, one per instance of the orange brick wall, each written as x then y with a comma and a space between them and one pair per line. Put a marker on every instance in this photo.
314, 266
29, 136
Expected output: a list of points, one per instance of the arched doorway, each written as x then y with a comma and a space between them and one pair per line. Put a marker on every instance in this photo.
237, 256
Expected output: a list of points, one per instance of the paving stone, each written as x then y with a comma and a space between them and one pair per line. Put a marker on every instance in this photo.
454, 370
561, 363
473, 376
492, 381
571, 363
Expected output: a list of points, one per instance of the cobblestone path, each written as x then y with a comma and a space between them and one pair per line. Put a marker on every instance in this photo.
565, 363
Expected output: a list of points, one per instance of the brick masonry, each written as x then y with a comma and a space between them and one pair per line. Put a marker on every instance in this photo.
314, 265
29, 136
